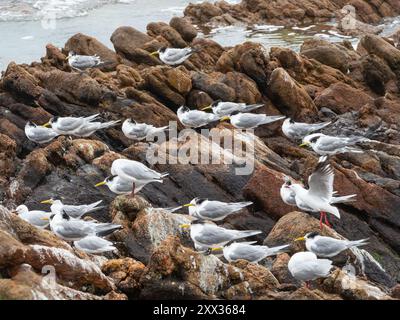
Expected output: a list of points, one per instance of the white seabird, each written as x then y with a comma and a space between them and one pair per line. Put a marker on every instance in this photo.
140, 131
250, 252
329, 145
250, 120
39, 134
37, 218
327, 247
222, 109
305, 266
288, 195
91, 127
82, 62
117, 185
210, 236
195, 118
214, 210
136, 172
318, 197
174, 56
70, 229
94, 245
73, 211
298, 130
68, 125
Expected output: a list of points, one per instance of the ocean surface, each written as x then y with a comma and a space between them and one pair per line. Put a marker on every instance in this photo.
26, 26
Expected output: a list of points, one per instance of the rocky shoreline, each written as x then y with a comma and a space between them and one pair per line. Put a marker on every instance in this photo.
357, 89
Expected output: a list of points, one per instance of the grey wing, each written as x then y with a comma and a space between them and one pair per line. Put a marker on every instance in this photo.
40, 134
176, 54
325, 246
70, 124
212, 235
94, 243
249, 120
321, 181
328, 143
248, 253
141, 172
86, 62
74, 211
214, 208
74, 229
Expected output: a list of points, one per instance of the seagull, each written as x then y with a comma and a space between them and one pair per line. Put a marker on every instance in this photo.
37, 218
318, 197
327, 247
117, 185
136, 172
248, 251
195, 118
214, 210
91, 127
68, 125
75, 212
173, 56
70, 229
94, 245
250, 120
289, 196
328, 145
222, 109
39, 134
81, 62
140, 131
298, 130
305, 266
210, 236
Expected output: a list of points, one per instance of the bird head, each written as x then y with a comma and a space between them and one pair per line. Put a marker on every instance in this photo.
49, 201
70, 55
21, 209
310, 140
106, 181
159, 51
212, 106
51, 122
310, 235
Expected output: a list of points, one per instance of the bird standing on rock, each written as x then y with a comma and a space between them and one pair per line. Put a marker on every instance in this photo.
206, 235
250, 252
214, 210
298, 130
36, 218
136, 172
328, 146
82, 62
318, 197
223, 109
140, 131
68, 125
289, 196
195, 118
174, 56
327, 247
305, 266
39, 134
73, 211
70, 229
250, 120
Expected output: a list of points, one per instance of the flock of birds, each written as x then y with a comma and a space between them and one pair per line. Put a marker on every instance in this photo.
129, 177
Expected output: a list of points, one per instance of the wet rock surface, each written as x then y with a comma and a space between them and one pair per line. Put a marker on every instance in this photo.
356, 89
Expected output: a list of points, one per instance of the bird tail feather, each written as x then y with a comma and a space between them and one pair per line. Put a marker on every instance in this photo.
252, 107
106, 229
344, 199
358, 243
249, 233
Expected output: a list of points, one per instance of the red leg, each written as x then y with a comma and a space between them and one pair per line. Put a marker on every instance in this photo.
327, 221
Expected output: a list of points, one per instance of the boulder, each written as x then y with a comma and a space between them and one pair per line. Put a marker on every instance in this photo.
162, 29
187, 31
86, 45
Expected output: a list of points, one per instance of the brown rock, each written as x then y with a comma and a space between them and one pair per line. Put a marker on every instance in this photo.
289, 96
184, 27
339, 98
167, 32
